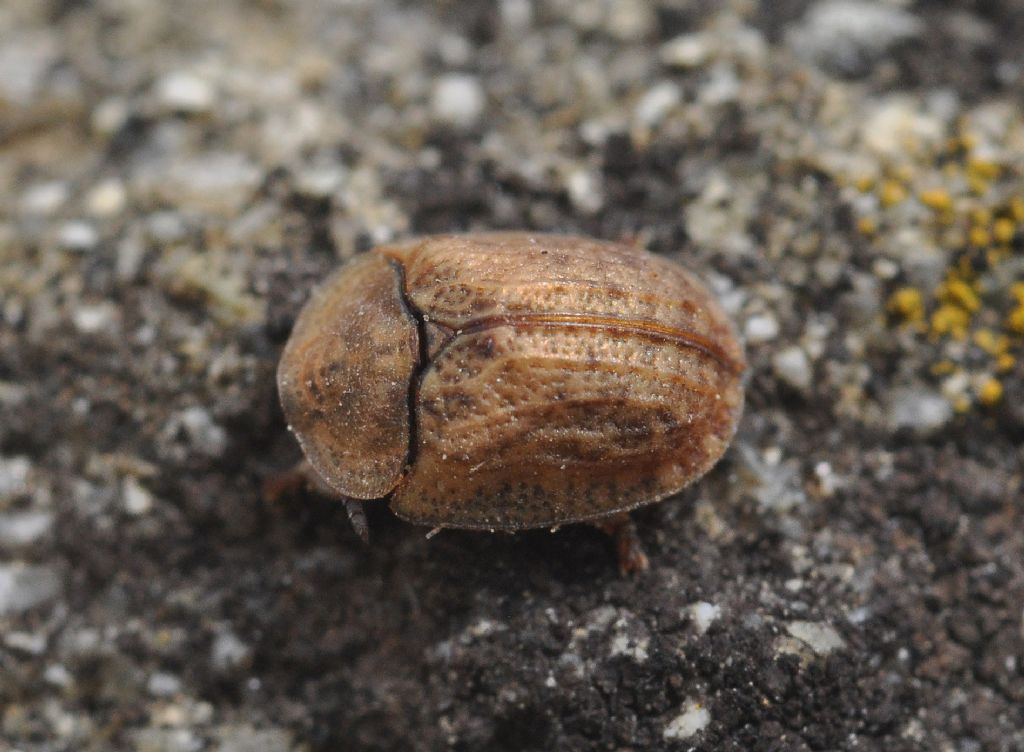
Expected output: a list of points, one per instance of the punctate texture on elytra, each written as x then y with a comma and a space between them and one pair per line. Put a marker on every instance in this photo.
511, 380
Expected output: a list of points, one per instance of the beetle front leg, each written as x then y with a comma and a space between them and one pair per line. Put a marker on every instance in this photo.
628, 548
357, 516
302, 476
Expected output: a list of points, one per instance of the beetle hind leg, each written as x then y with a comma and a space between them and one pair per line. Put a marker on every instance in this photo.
628, 548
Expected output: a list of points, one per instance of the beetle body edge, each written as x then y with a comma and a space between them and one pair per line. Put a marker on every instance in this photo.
511, 380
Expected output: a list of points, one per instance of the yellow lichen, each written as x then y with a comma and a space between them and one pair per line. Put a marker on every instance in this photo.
978, 186
891, 193
908, 303
937, 199
969, 213
990, 392
867, 226
985, 169
991, 342
956, 291
1017, 208
981, 216
950, 320
962, 403
864, 183
1015, 321
967, 141
1005, 363
980, 237
904, 173
1003, 230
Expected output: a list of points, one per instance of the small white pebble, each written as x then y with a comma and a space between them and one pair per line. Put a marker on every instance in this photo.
694, 718
820, 637
57, 675
207, 436
919, 409
484, 627
26, 586
458, 99
31, 643
793, 368
827, 480
703, 614
135, 498
185, 92
78, 236
229, 652
163, 685
858, 615
45, 198
722, 85
885, 268
96, 318
109, 116
761, 328
516, 15
956, 385
24, 528
656, 103
585, 191
14, 476
321, 181
686, 51
107, 198
166, 226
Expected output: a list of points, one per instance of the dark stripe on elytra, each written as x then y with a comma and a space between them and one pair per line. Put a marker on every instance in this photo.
649, 330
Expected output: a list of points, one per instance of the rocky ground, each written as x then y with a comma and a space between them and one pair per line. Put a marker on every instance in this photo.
174, 176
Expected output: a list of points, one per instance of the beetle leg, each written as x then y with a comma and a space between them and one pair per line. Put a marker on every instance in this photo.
284, 483
303, 476
628, 548
357, 516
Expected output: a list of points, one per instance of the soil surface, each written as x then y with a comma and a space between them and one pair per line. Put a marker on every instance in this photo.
845, 175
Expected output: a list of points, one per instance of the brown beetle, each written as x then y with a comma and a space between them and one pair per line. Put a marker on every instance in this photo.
505, 381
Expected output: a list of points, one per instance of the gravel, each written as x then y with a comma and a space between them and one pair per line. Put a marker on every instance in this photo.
693, 719
849, 36
19, 529
793, 367
919, 410
458, 99
25, 586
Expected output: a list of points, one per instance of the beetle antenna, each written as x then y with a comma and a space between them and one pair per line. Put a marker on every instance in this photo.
357, 516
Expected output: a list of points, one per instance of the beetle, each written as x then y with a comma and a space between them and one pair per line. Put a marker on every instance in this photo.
505, 381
